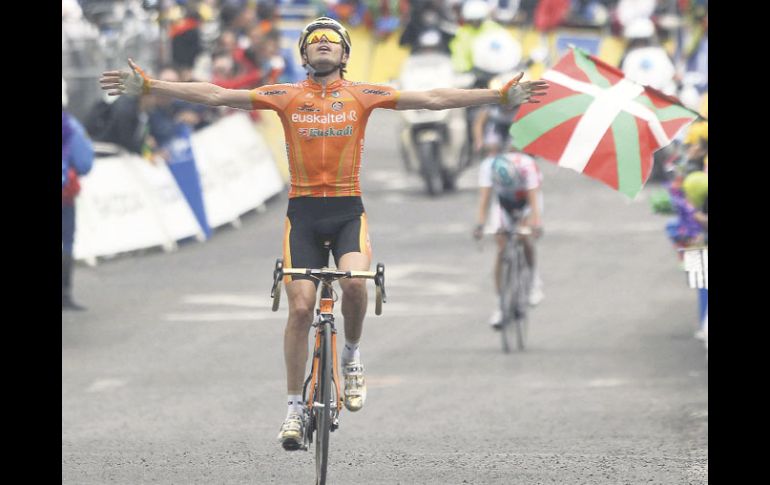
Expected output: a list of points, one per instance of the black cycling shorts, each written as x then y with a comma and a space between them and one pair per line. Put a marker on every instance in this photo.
316, 226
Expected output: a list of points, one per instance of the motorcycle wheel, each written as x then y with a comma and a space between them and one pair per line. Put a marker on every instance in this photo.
408, 162
430, 166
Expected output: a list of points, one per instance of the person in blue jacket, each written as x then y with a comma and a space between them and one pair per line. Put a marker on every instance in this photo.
77, 158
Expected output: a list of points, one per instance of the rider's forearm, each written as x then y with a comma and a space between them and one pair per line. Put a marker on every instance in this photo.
478, 126
445, 98
193, 92
534, 204
481, 218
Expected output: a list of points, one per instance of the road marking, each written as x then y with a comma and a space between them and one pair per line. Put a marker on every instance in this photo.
390, 179
102, 385
394, 198
241, 300
406, 270
432, 287
220, 316
398, 309
379, 382
576, 227
606, 382
420, 309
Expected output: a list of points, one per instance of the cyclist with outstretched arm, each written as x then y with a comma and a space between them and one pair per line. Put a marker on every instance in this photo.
324, 119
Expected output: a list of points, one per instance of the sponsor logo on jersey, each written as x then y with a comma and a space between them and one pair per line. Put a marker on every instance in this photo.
318, 132
275, 92
378, 92
308, 107
324, 118
337, 106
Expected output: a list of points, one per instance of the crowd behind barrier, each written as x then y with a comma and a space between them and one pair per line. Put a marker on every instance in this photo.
248, 43
128, 204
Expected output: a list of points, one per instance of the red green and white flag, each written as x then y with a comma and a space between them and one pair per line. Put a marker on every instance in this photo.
598, 123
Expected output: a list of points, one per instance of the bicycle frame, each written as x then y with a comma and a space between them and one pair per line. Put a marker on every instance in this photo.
325, 364
324, 325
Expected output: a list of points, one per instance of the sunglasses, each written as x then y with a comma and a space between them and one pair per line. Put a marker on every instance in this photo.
328, 34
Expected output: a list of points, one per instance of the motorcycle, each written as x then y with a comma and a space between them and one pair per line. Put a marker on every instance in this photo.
434, 143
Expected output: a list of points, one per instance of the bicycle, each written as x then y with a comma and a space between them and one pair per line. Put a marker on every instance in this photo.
515, 284
322, 415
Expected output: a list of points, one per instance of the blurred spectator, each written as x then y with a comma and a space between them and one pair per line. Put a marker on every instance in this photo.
685, 230
696, 189
383, 16
166, 114
476, 21
549, 14
238, 17
589, 13
504, 11
427, 15
122, 121
645, 61
697, 49
226, 43
185, 38
273, 61
267, 12
350, 12
77, 157
696, 147
248, 60
256, 65
526, 12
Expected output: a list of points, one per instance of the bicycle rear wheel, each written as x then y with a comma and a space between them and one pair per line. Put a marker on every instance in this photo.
521, 325
323, 411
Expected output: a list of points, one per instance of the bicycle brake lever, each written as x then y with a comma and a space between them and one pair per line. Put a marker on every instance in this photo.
380, 281
277, 275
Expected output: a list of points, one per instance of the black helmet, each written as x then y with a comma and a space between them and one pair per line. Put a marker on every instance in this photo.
325, 23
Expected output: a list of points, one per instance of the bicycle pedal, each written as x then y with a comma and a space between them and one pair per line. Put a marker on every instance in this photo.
291, 445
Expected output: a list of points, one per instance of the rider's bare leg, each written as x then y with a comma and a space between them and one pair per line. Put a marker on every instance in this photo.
301, 295
354, 296
501, 239
353, 310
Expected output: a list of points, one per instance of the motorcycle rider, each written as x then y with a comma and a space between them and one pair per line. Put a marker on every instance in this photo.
476, 21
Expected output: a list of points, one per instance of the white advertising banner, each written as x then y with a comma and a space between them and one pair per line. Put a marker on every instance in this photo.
176, 216
115, 211
236, 167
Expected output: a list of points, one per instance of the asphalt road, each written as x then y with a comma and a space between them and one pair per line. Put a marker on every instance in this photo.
175, 373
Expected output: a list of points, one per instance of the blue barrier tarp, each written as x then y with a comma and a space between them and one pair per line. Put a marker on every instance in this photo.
182, 166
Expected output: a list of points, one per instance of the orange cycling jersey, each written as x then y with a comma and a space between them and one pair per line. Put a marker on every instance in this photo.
324, 130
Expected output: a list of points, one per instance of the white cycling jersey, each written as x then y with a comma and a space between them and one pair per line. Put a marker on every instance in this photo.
510, 175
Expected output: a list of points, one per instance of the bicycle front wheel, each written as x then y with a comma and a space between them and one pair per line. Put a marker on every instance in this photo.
523, 283
507, 293
322, 407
